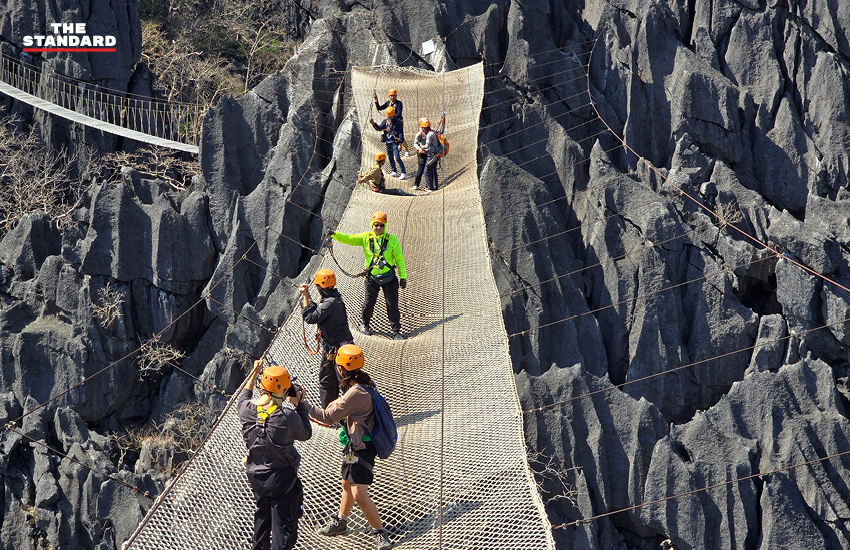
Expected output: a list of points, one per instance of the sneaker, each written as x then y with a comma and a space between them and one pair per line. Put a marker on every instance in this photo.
403, 177
407, 153
415, 187
398, 336
382, 540
335, 526
364, 329
427, 192
394, 174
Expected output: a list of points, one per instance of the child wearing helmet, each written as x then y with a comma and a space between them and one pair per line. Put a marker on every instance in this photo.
383, 256
269, 430
393, 136
355, 409
332, 318
375, 178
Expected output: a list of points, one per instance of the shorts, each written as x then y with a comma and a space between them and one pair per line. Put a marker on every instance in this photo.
358, 474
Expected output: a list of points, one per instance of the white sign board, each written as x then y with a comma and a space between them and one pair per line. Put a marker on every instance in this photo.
428, 47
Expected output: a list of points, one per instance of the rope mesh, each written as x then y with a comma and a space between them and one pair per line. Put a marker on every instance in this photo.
489, 494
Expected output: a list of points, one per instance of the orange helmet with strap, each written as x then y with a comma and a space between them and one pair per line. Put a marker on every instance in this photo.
350, 357
379, 217
275, 379
380, 156
392, 92
325, 278
424, 122
390, 111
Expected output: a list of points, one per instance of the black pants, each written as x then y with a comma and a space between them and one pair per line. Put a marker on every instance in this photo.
431, 175
277, 514
390, 297
421, 169
328, 376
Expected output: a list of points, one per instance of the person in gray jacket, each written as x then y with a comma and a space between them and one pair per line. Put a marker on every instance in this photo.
269, 430
332, 318
427, 147
356, 409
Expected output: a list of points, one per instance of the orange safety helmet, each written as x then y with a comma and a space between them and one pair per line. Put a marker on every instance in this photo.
392, 92
380, 156
275, 379
325, 278
424, 122
379, 217
390, 111
350, 357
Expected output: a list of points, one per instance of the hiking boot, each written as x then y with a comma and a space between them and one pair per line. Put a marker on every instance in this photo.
403, 177
394, 174
335, 526
382, 540
364, 329
398, 336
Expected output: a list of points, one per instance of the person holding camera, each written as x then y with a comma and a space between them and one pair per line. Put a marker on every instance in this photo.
383, 255
269, 430
332, 318
355, 409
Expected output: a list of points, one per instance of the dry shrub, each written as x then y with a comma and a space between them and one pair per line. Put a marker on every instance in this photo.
34, 178
107, 309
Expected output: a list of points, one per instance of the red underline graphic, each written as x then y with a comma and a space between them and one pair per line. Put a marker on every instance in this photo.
69, 49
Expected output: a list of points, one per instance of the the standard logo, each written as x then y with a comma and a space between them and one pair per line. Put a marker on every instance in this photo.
69, 37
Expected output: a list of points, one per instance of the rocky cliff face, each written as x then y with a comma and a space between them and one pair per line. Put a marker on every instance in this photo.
611, 270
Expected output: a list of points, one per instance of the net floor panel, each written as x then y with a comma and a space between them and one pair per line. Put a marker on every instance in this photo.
469, 454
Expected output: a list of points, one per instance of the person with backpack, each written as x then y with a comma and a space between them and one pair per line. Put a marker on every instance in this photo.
393, 130
428, 149
332, 319
383, 255
375, 178
269, 430
355, 409
398, 107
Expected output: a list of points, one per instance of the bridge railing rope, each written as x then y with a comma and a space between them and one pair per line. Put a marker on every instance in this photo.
174, 121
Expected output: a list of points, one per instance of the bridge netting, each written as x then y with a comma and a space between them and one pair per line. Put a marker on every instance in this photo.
159, 122
459, 478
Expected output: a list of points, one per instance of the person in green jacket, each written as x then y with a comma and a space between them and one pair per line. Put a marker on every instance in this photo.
383, 257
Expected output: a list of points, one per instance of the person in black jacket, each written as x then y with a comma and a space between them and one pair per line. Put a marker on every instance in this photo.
269, 430
331, 316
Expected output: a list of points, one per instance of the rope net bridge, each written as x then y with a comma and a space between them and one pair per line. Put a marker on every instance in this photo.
459, 477
162, 123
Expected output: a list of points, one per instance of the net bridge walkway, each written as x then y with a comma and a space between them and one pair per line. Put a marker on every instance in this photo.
162, 123
459, 478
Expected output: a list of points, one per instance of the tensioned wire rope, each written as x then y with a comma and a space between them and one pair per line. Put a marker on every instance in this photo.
724, 222
757, 345
208, 295
569, 51
794, 334
699, 490
721, 219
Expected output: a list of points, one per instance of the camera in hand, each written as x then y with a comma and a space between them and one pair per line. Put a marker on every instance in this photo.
293, 390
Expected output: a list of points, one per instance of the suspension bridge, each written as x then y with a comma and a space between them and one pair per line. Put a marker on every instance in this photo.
459, 477
162, 123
